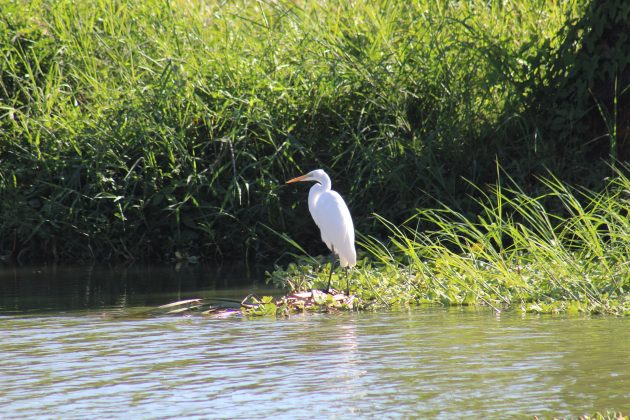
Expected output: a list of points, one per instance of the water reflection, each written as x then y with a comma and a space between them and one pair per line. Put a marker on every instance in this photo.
54, 289
423, 363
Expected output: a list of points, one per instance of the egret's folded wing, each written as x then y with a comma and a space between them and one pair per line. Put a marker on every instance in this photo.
335, 223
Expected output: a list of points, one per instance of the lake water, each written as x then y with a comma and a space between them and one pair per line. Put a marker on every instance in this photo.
73, 346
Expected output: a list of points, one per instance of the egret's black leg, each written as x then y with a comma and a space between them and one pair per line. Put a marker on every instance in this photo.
332, 267
347, 282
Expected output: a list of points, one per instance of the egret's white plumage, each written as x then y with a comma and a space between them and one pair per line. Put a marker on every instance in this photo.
332, 216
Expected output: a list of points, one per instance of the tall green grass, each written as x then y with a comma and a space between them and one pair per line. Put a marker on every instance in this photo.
165, 129
564, 250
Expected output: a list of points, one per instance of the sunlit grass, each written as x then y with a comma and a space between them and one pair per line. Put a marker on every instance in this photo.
158, 129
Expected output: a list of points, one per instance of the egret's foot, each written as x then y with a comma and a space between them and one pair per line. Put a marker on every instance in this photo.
325, 291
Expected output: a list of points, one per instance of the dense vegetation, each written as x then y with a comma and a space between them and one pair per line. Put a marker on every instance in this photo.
564, 250
163, 130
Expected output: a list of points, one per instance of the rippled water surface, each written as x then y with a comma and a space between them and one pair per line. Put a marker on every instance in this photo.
86, 352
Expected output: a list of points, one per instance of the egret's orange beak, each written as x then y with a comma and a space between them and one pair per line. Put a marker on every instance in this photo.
299, 178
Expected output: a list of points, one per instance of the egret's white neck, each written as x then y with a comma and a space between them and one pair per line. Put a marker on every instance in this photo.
322, 184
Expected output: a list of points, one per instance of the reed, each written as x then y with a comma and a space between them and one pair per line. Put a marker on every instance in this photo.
164, 130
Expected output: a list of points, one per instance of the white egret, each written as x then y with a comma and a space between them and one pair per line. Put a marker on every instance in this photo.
332, 216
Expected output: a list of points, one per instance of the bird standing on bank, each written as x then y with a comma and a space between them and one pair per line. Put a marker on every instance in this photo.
332, 216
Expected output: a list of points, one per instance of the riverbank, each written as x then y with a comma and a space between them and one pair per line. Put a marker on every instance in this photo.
562, 251
164, 132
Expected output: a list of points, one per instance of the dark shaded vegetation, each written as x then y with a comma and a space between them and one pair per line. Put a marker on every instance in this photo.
164, 131
583, 99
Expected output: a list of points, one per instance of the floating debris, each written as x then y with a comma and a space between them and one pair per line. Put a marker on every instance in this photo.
252, 305
195, 306
221, 312
186, 305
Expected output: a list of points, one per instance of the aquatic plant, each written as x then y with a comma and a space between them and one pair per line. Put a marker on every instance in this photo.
298, 302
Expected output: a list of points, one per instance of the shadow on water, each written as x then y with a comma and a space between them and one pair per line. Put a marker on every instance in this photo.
54, 289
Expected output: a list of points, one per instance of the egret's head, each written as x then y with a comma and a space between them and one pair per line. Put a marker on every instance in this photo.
318, 175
